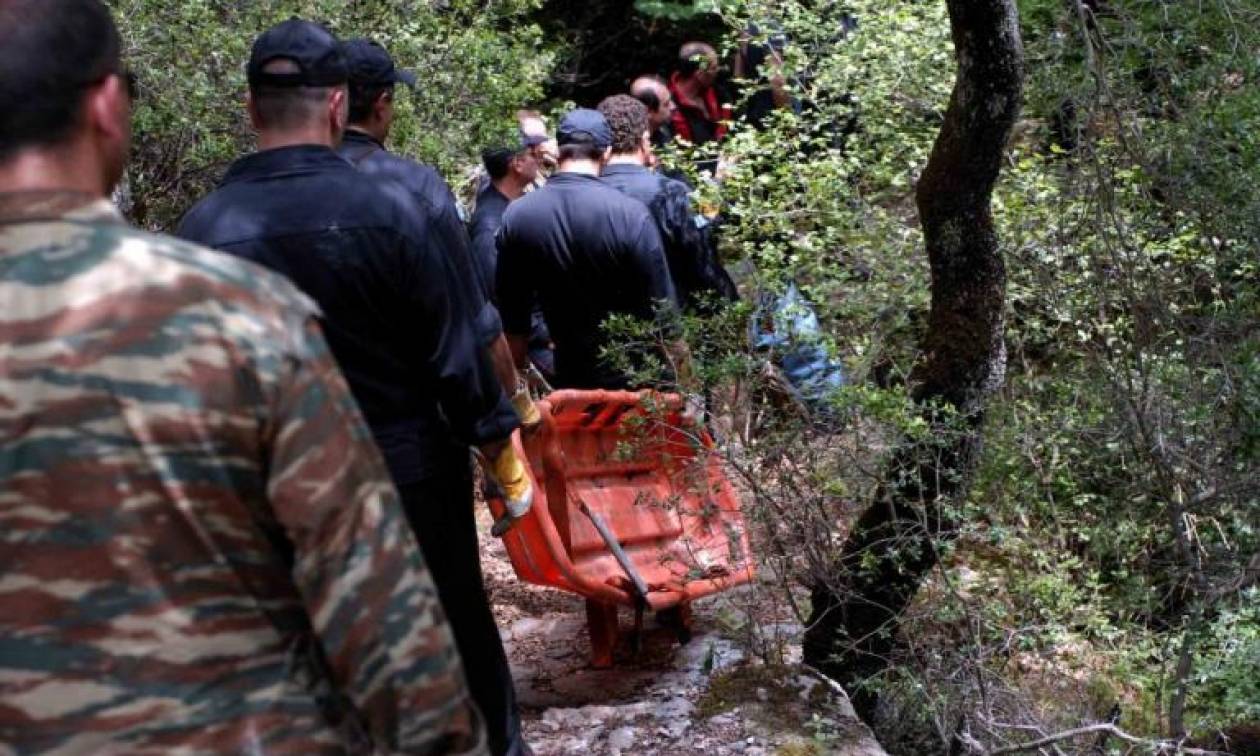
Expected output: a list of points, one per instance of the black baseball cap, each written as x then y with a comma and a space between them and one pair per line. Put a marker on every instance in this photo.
313, 48
370, 64
584, 125
496, 158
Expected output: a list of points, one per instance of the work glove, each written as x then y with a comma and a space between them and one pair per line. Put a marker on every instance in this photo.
530, 383
507, 472
523, 403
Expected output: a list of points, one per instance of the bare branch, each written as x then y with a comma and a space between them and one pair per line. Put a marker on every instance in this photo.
1158, 746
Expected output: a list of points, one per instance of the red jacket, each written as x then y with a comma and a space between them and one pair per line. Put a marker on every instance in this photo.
694, 125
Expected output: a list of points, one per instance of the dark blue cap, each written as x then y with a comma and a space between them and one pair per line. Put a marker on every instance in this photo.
370, 65
314, 50
584, 125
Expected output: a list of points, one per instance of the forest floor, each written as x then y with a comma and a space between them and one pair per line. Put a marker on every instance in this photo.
711, 696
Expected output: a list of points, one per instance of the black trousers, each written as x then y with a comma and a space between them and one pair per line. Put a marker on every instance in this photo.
440, 510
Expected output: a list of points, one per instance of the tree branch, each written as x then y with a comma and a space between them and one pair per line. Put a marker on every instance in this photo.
1159, 746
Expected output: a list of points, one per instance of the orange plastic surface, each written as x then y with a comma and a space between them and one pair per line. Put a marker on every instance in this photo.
631, 458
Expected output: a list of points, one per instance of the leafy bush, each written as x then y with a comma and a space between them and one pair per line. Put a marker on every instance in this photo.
477, 65
1117, 505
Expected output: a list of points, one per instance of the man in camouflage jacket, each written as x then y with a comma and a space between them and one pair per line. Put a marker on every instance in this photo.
200, 548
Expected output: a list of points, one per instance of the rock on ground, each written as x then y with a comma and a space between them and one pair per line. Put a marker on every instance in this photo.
703, 697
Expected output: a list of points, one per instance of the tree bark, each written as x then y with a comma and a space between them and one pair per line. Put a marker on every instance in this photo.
891, 548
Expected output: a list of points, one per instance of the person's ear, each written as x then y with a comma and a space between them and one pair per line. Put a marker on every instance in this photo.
338, 111
251, 108
383, 108
108, 109
645, 141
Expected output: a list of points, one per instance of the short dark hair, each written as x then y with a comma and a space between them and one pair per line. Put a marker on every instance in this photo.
581, 150
363, 97
50, 50
287, 107
497, 161
627, 119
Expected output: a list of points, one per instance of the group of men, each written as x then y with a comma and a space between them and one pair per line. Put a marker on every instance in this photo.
236, 499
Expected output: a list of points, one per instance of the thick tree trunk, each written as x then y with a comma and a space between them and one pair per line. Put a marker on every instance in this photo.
893, 544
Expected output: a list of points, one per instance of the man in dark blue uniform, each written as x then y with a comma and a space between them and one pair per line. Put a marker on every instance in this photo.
399, 313
695, 268
511, 171
373, 78
586, 252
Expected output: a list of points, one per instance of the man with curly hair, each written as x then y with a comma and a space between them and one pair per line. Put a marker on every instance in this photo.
693, 264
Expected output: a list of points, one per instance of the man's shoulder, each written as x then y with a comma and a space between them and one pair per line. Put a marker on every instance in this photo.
491, 204
672, 186
487, 218
422, 180
234, 212
617, 201
642, 185
122, 262
544, 197
185, 265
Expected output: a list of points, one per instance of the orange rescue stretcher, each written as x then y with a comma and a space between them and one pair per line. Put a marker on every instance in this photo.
629, 509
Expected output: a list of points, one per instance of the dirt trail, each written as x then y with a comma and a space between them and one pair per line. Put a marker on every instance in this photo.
703, 697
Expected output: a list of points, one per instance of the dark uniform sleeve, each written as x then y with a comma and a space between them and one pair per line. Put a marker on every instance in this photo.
484, 255
694, 262
455, 241
452, 316
514, 284
373, 606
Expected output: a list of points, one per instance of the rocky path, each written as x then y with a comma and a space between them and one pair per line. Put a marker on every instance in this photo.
705, 697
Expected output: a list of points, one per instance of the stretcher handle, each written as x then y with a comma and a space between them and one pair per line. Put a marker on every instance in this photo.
640, 586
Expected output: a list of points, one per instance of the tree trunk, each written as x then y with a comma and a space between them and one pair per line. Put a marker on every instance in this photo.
892, 546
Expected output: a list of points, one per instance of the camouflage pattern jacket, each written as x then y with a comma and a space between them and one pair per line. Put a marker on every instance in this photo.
200, 548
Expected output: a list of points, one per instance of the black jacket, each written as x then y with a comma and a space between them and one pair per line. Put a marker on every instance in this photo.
586, 252
484, 227
431, 193
693, 264
396, 308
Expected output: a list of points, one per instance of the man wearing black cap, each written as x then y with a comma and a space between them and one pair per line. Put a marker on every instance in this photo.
398, 311
373, 77
451, 527
586, 252
511, 171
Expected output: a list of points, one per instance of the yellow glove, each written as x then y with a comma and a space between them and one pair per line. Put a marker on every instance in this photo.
524, 405
508, 471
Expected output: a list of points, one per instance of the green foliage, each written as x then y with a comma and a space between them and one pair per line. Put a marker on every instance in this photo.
679, 11
1226, 687
477, 65
1116, 498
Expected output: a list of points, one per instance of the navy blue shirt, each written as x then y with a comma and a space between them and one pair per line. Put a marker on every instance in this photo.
423, 181
431, 192
395, 308
692, 260
486, 219
484, 227
586, 252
